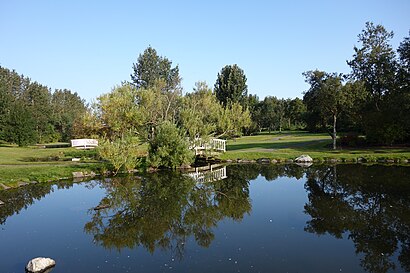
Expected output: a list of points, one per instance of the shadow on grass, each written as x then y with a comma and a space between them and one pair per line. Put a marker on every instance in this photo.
41, 159
303, 145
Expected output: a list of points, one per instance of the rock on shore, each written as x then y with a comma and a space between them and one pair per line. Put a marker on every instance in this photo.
303, 158
40, 264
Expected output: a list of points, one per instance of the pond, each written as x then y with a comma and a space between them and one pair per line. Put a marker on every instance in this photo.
257, 218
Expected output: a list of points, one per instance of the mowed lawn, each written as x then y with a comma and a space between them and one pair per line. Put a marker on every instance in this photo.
289, 145
24, 164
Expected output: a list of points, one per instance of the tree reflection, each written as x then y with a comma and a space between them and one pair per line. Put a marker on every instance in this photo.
21, 198
369, 203
164, 209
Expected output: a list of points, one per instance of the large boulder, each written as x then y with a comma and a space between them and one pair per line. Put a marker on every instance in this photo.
303, 158
40, 264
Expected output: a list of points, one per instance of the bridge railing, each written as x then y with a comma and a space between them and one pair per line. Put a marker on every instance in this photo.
210, 175
84, 143
213, 145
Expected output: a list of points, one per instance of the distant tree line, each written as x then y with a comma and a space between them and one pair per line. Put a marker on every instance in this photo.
373, 100
30, 113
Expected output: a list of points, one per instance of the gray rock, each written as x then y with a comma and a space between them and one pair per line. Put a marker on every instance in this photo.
263, 160
40, 264
304, 158
289, 160
274, 161
331, 160
78, 175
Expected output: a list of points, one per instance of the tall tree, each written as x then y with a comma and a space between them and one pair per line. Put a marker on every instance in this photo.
38, 98
230, 86
20, 127
67, 107
150, 67
199, 113
295, 110
374, 62
327, 97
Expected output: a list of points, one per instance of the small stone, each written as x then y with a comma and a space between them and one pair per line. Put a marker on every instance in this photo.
40, 264
22, 184
263, 160
289, 160
75, 159
304, 158
1, 203
274, 161
78, 175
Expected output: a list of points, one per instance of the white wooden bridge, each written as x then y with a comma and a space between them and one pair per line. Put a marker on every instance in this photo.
208, 174
214, 145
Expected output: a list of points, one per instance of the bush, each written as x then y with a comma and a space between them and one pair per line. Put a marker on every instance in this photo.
351, 140
121, 152
169, 148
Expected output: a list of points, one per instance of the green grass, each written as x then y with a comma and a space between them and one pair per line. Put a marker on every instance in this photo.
24, 164
289, 145
34, 163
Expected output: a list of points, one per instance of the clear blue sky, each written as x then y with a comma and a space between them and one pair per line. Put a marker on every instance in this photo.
90, 46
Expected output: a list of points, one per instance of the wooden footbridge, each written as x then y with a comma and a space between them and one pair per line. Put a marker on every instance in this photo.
214, 145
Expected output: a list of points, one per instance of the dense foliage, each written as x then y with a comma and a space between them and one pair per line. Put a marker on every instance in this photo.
373, 100
30, 113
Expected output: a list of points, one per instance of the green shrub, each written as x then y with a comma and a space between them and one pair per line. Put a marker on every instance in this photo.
169, 148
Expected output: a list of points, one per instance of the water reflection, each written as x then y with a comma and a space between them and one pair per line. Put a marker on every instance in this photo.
370, 205
21, 198
164, 209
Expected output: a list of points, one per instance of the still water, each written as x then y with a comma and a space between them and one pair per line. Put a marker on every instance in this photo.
257, 218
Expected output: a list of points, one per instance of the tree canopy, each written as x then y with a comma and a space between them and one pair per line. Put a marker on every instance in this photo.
230, 85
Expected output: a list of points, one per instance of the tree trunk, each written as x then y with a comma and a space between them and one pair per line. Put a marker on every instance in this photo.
334, 132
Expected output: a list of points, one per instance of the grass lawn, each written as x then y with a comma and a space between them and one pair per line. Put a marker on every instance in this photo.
23, 164
289, 145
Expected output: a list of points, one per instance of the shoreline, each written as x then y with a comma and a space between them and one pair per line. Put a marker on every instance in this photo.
84, 175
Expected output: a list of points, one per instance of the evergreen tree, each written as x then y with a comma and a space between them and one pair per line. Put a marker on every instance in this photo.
150, 67
230, 86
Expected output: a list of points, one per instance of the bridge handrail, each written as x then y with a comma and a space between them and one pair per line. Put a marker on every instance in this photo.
84, 143
212, 144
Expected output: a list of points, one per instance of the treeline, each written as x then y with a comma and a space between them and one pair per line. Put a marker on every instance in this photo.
373, 100
151, 109
30, 113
